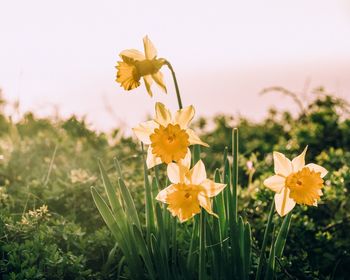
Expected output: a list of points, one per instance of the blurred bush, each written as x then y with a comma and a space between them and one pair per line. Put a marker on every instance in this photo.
54, 163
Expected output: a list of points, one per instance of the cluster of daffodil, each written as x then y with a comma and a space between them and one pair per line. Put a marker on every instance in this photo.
169, 138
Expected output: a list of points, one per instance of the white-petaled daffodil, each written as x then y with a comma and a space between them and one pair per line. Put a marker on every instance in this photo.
190, 189
294, 182
168, 136
136, 65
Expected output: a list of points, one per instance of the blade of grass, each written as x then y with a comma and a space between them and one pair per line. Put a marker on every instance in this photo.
149, 200
234, 172
268, 229
270, 271
193, 244
130, 208
106, 214
118, 167
247, 249
111, 193
143, 250
202, 245
282, 235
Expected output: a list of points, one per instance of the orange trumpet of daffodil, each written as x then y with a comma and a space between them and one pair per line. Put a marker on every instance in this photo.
190, 189
168, 137
136, 65
295, 182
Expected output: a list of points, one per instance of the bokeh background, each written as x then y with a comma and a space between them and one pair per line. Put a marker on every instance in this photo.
59, 56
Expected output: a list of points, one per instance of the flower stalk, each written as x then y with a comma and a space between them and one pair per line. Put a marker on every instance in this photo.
178, 96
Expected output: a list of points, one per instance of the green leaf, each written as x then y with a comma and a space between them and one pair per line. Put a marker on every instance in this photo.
282, 235
106, 214
247, 250
270, 271
143, 250
234, 172
268, 229
111, 192
118, 168
149, 200
130, 208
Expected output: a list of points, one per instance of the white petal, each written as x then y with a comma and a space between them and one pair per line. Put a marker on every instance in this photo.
212, 188
184, 116
163, 115
194, 139
317, 168
198, 173
275, 183
205, 202
158, 78
163, 194
284, 204
173, 172
132, 54
283, 166
144, 130
152, 160
186, 161
299, 162
148, 82
150, 50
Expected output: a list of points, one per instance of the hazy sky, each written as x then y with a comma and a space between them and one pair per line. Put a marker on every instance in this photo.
63, 53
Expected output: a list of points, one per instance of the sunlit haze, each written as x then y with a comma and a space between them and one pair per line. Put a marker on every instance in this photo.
62, 54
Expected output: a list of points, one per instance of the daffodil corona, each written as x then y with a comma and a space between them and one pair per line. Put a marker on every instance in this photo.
168, 138
190, 189
136, 65
295, 182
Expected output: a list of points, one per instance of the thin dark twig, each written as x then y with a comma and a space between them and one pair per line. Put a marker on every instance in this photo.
287, 92
284, 270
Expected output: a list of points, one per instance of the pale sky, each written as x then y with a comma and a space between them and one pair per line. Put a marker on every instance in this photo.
63, 53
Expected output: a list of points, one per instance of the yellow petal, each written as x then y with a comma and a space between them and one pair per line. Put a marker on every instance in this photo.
275, 183
198, 173
152, 160
163, 194
132, 54
148, 82
284, 204
173, 171
144, 130
205, 202
299, 162
150, 50
211, 188
158, 78
163, 115
317, 168
194, 139
184, 116
283, 166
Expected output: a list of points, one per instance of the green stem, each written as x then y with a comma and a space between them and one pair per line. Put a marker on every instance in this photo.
202, 237
235, 172
263, 247
167, 63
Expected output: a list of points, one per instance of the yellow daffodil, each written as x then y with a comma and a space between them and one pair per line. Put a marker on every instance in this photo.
190, 190
136, 65
295, 182
168, 137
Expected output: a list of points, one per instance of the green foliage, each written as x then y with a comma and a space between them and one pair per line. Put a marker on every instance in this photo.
55, 163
